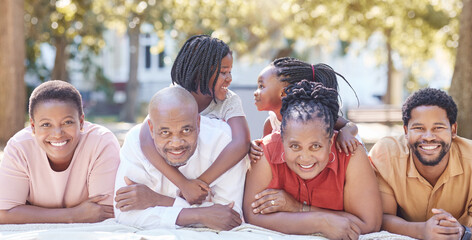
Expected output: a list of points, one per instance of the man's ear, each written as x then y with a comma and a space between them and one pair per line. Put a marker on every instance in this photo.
454, 130
151, 127
198, 123
405, 129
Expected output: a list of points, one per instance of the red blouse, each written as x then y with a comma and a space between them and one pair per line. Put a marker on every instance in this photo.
326, 190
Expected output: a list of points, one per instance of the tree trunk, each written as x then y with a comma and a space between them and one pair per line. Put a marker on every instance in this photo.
129, 109
387, 98
461, 85
59, 72
12, 69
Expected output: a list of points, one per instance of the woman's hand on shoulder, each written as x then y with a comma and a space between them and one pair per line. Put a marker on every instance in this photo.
255, 151
275, 200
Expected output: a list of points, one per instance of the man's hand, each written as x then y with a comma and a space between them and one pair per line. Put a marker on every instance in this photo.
255, 152
220, 217
194, 191
442, 226
275, 200
135, 197
90, 211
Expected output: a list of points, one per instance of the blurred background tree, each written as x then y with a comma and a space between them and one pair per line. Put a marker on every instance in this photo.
413, 30
461, 85
71, 26
12, 54
412, 33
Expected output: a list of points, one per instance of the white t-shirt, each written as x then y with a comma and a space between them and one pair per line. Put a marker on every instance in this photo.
213, 137
223, 110
274, 122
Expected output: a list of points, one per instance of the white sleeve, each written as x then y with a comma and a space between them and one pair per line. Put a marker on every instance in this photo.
229, 187
233, 107
133, 166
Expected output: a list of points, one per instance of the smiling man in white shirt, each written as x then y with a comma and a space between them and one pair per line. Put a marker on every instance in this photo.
145, 198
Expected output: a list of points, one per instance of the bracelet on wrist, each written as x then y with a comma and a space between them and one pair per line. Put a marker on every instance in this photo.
467, 233
305, 207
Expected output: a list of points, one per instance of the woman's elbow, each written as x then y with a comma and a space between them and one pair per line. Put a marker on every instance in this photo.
373, 224
249, 216
4, 219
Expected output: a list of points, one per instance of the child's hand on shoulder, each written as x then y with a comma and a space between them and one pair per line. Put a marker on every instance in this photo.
195, 191
346, 142
255, 152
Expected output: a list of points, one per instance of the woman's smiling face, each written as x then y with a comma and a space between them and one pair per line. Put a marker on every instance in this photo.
307, 147
56, 126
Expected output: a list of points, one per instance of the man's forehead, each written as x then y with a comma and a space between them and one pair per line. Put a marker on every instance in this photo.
174, 120
428, 114
174, 127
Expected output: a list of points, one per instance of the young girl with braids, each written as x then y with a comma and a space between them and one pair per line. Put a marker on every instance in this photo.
302, 185
203, 67
270, 89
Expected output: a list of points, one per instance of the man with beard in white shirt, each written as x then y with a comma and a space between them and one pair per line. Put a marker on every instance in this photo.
145, 198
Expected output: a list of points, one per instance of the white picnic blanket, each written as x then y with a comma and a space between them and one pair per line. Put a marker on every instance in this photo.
110, 229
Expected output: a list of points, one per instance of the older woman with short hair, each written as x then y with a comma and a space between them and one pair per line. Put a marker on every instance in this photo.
302, 184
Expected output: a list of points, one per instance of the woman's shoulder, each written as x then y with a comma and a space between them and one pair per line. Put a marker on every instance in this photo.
22, 147
97, 134
272, 147
23, 137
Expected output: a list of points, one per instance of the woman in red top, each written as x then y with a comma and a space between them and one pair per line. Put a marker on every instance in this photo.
302, 185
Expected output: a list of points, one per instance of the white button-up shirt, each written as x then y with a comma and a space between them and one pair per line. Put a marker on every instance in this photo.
213, 137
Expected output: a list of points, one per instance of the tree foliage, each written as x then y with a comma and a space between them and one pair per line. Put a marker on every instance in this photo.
71, 26
413, 31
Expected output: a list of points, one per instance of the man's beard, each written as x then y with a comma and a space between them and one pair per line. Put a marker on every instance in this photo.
177, 164
444, 149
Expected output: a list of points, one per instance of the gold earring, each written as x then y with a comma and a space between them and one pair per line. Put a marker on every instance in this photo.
334, 157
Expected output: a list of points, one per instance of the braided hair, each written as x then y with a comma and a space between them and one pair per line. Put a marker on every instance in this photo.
292, 70
307, 100
198, 59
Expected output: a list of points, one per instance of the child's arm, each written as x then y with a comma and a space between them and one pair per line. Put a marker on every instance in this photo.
194, 191
255, 152
232, 153
346, 140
